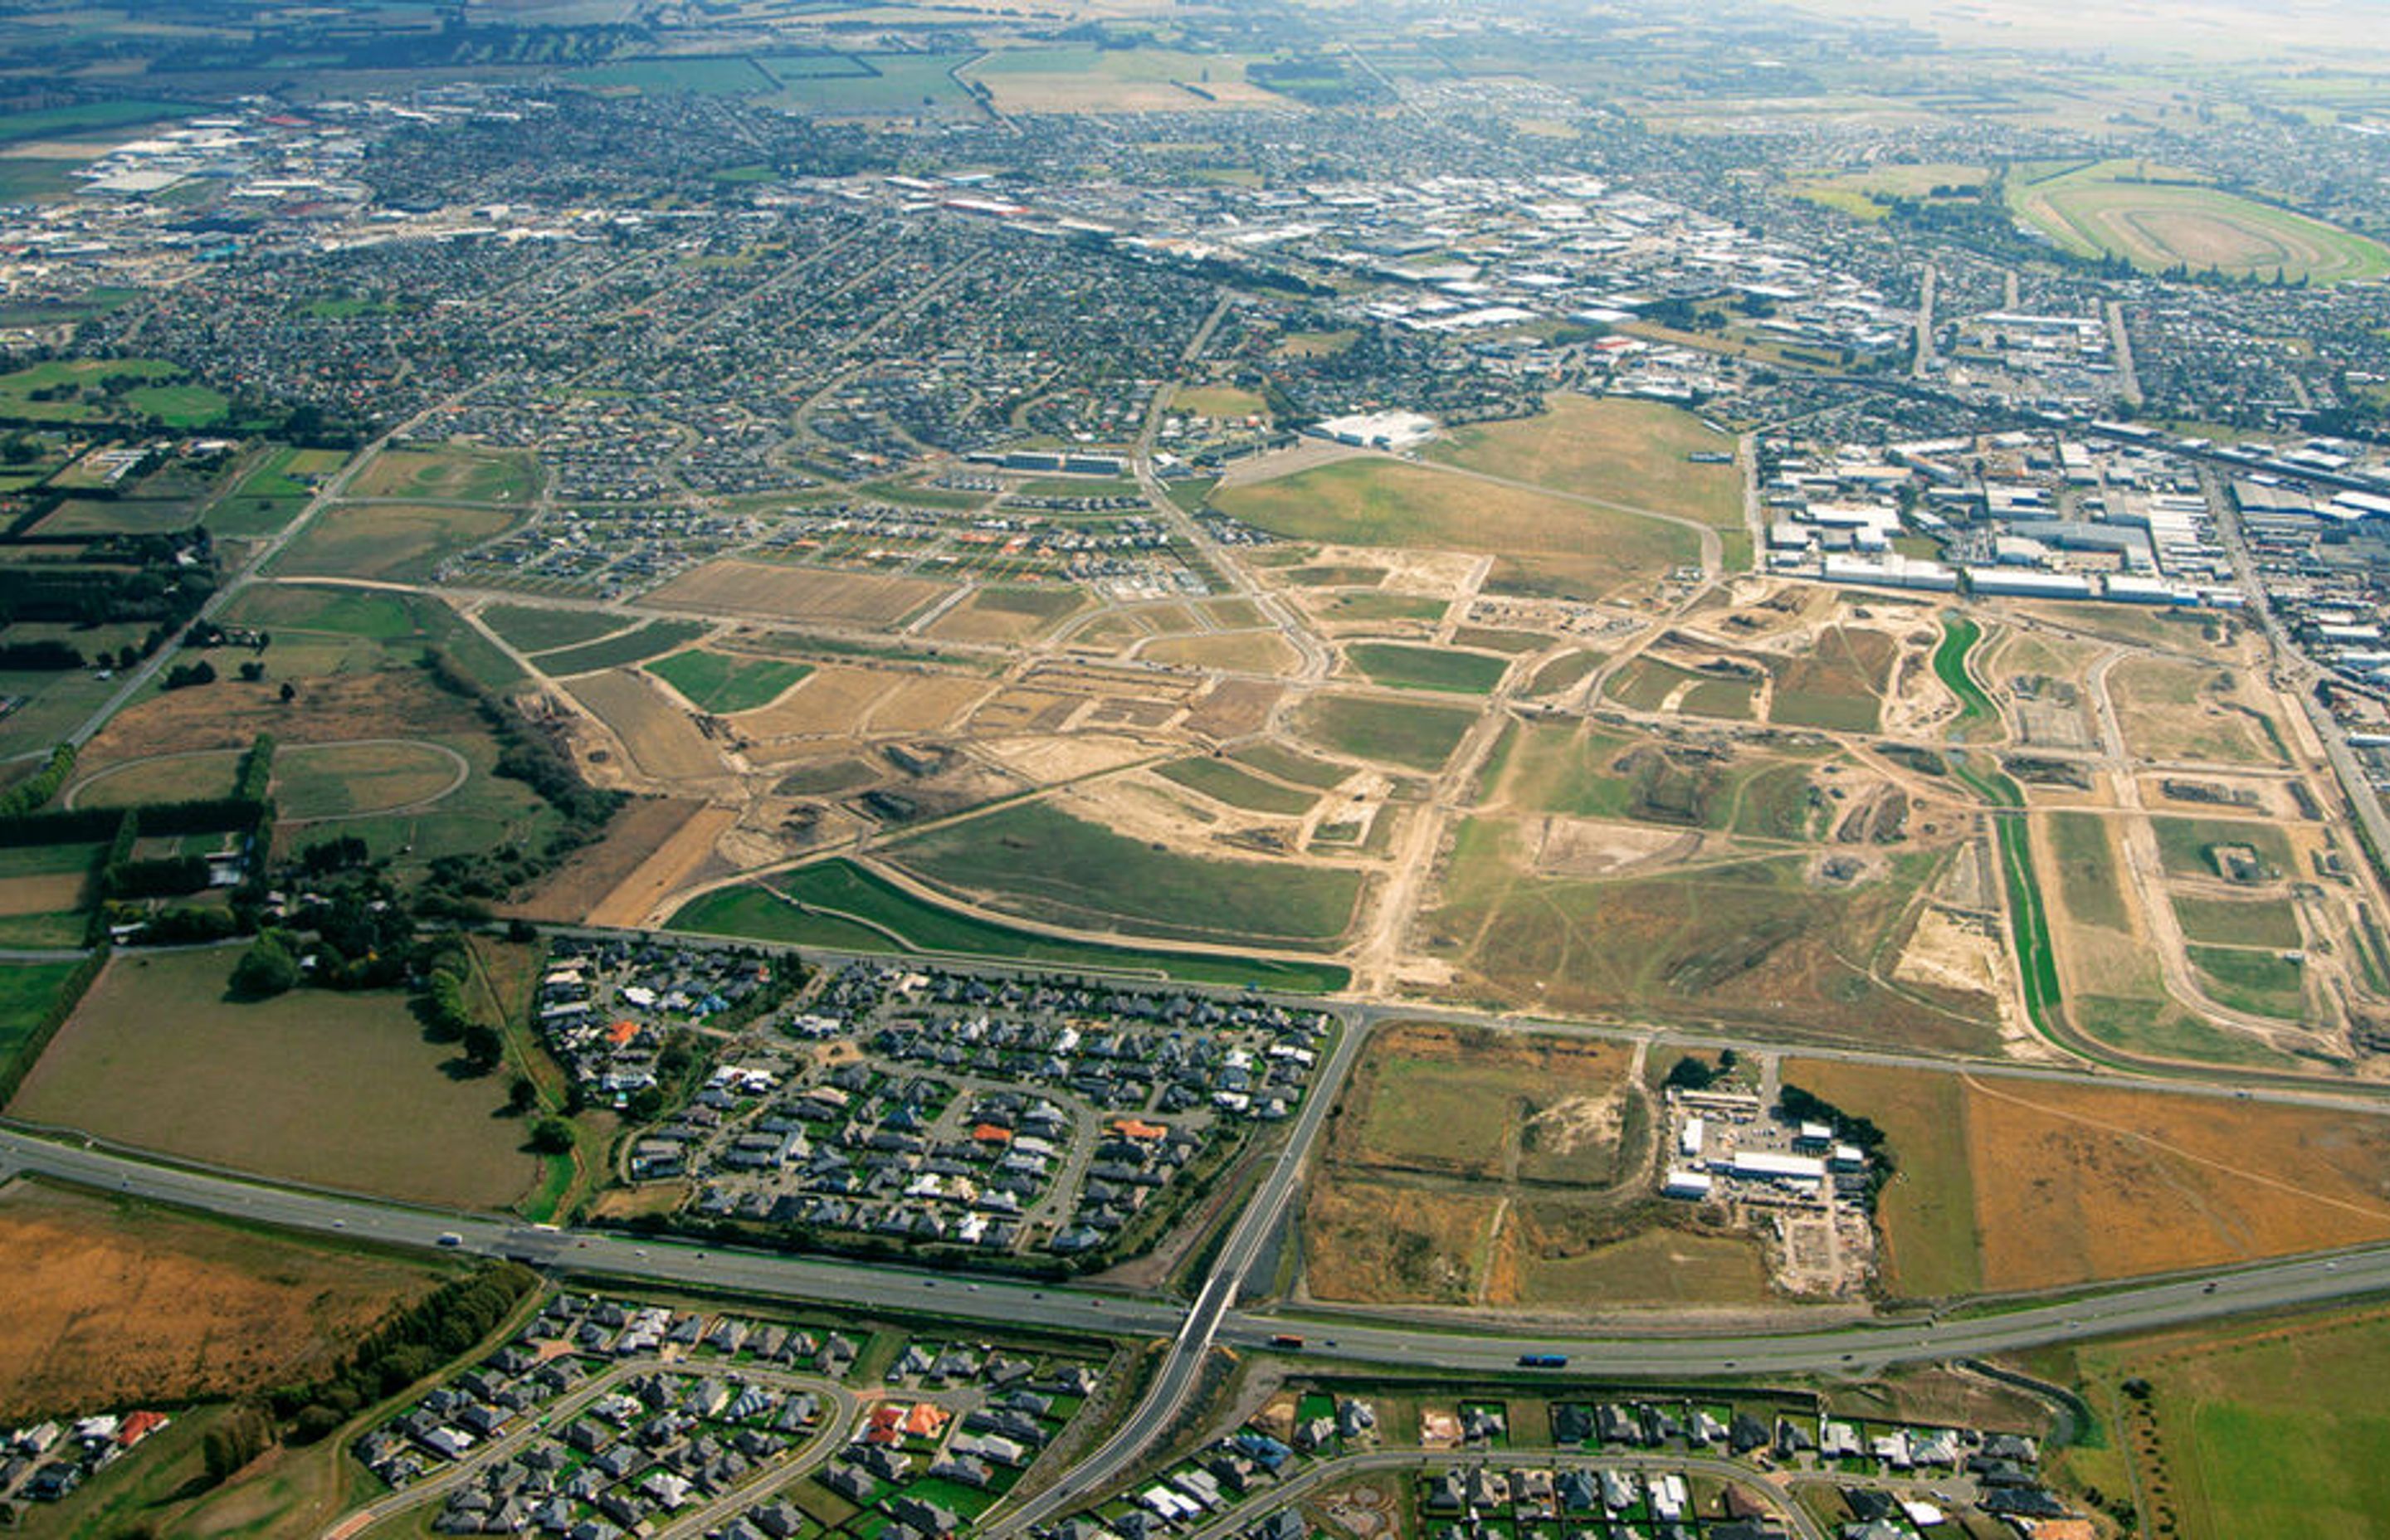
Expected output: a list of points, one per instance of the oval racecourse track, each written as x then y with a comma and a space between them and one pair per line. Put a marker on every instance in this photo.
395, 775
2160, 225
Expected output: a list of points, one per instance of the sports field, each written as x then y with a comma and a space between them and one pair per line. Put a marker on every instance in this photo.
723, 682
455, 474
2158, 219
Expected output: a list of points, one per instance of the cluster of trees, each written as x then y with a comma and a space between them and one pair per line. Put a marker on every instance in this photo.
1693, 1072
34, 792
44, 657
410, 1345
183, 676
447, 1013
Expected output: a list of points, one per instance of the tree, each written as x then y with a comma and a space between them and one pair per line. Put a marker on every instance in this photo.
266, 968
552, 1137
483, 1047
522, 1095
252, 670
290, 692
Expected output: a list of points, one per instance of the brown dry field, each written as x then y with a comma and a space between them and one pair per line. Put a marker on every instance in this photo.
1234, 707
573, 890
1237, 651
42, 895
975, 620
1545, 1257
1372, 1242
833, 701
665, 869
115, 1305
928, 703
229, 714
734, 587
658, 736
2075, 1184
1489, 1078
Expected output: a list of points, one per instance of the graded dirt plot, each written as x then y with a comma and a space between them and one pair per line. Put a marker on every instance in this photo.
833, 702
665, 869
1391, 732
927, 702
778, 592
1428, 1097
575, 891
1233, 708
724, 682
1754, 941
2157, 220
1233, 652
1036, 860
2176, 711
121, 1305
2266, 1430
455, 474
1007, 614
1630, 452
399, 542
658, 736
309, 1086
1544, 544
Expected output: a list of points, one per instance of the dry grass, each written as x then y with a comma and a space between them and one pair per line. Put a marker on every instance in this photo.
1376, 1243
665, 868
1631, 452
573, 891
2078, 1184
1236, 651
336, 1089
116, 1303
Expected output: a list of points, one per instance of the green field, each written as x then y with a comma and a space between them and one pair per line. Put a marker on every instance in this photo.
2157, 219
651, 640
723, 683
2185, 844
27, 991
109, 389
458, 473
2263, 983
1405, 666
1050, 866
51, 122
401, 543
1287, 765
2265, 1430
2239, 922
340, 780
340, 1089
1633, 453
534, 630
1563, 768
883, 86
1542, 544
1224, 782
1388, 732
847, 908
2088, 880
272, 490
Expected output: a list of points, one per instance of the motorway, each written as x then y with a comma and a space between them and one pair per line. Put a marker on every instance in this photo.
1659, 1352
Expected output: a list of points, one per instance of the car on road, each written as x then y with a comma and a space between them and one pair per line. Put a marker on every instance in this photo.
450, 1238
